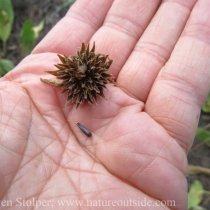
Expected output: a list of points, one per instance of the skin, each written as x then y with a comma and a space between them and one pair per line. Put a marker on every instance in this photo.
140, 135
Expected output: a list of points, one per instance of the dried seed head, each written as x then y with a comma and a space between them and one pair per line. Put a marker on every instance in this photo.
83, 76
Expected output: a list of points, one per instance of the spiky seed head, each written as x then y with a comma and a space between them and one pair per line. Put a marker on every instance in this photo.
83, 76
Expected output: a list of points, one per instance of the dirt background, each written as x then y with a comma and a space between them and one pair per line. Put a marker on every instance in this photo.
35, 10
54, 10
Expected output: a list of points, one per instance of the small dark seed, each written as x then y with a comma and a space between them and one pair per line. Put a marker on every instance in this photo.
84, 130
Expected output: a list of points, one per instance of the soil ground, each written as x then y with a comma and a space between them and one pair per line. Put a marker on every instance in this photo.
36, 10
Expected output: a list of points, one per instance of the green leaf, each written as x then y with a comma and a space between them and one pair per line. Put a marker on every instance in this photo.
5, 66
69, 1
198, 208
27, 36
38, 28
206, 106
6, 19
195, 194
203, 135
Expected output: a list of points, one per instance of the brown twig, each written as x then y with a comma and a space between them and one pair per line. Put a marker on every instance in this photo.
198, 170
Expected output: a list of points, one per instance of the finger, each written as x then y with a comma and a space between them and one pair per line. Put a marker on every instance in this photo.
154, 48
124, 24
79, 24
183, 84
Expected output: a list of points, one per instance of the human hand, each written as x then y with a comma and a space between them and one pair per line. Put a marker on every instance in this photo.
141, 133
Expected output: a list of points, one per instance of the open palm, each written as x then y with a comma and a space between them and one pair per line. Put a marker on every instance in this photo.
140, 134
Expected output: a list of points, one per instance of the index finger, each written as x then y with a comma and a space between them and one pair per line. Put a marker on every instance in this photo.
79, 24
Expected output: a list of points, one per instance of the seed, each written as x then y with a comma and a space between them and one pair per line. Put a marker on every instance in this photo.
84, 130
